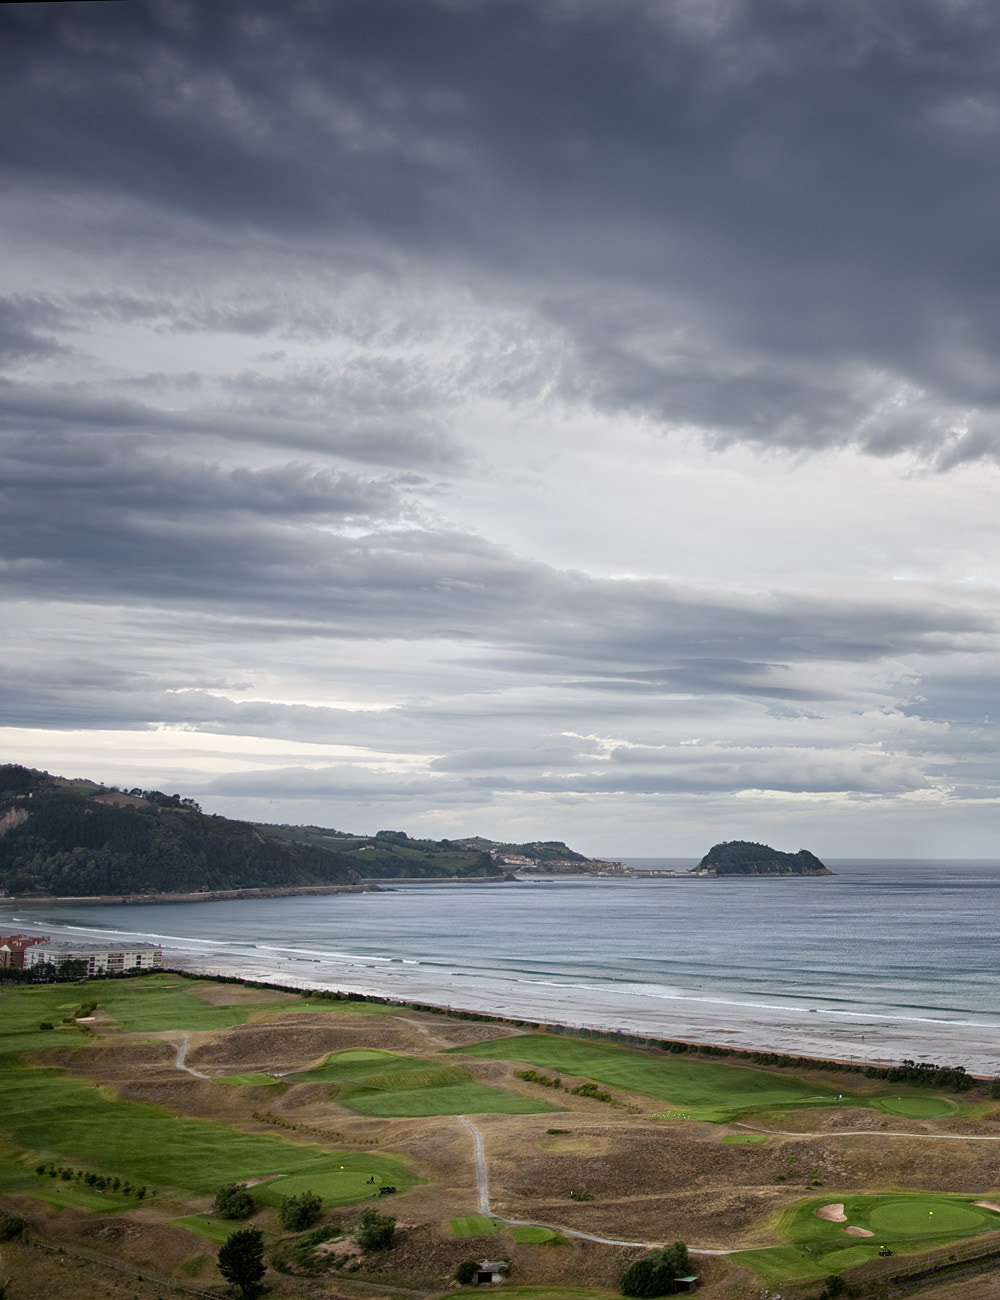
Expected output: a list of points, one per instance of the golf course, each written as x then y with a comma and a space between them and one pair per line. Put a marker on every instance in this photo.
129, 1103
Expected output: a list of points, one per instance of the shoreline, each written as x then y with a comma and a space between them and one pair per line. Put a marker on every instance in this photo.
202, 896
861, 1038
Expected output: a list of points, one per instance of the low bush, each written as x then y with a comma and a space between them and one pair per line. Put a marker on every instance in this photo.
375, 1231
233, 1201
296, 1213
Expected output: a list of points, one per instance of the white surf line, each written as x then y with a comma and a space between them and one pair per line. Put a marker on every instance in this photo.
484, 1209
182, 1047
874, 1132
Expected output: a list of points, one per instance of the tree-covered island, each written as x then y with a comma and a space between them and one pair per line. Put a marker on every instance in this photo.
745, 858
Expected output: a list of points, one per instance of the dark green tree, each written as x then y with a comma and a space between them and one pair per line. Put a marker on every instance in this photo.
241, 1260
296, 1213
656, 1273
466, 1272
375, 1231
233, 1201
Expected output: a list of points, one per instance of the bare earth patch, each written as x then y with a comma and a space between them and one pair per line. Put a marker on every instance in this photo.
832, 1213
857, 1232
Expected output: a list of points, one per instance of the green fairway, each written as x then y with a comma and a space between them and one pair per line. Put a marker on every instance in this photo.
707, 1091
474, 1225
744, 1139
387, 1085
56, 1118
916, 1107
905, 1222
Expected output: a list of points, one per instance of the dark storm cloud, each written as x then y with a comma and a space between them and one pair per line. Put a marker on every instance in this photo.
754, 217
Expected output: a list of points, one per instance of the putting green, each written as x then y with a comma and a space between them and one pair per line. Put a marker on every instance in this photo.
335, 1186
915, 1107
530, 1234
925, 1217
907, 1223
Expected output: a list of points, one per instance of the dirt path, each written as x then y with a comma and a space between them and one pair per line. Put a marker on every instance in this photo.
484, 1208
874, 1132
182, 1047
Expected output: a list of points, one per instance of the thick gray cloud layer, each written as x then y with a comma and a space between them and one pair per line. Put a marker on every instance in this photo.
514, 401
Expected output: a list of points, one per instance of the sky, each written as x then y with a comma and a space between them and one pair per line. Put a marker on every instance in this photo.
542, 419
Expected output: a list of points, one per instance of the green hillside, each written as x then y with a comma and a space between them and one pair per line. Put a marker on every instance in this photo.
81, 839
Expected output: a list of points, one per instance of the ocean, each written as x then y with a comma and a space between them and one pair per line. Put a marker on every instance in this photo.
881, 961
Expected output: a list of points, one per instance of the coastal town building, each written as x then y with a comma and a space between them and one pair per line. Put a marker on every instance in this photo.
26, 952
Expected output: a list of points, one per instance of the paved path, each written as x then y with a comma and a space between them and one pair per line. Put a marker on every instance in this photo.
484, 1209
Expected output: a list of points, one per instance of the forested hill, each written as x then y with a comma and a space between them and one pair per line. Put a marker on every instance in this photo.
393, 855
744, 858
78, 838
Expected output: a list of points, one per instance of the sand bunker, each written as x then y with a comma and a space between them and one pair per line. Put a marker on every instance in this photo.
988, 1205
832, 1213
857, 1232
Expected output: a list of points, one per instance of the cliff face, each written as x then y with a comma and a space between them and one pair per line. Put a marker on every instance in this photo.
744, 858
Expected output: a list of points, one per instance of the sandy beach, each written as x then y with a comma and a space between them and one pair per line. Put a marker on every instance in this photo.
744, 1025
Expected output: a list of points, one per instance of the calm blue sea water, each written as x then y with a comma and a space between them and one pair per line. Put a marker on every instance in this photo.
885, 958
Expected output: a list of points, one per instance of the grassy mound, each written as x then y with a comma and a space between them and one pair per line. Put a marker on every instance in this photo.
705, 1090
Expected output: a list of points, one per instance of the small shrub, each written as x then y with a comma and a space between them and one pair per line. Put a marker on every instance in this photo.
11, 1225
296, 1213
232, 1201
466, 1272
375, 1231
46, 1024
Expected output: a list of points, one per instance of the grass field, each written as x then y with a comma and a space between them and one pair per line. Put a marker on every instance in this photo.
474, 1225
905, 1222
48, 1116
387, 1085
704, 1090
744, 1139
